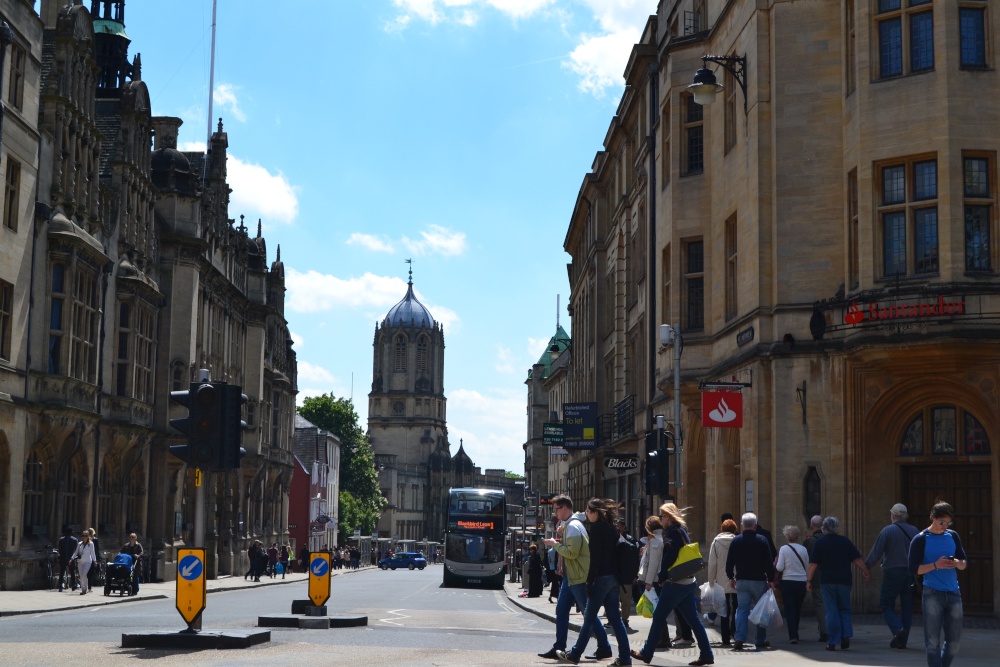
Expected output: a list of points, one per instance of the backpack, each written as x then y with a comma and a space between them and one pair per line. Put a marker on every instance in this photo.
627, 558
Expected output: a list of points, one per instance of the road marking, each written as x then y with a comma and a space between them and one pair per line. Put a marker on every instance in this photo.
393, 622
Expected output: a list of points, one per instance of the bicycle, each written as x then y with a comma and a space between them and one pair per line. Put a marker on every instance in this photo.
52, 567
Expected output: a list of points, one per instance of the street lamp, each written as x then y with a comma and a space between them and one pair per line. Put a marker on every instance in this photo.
705, 86
672, 336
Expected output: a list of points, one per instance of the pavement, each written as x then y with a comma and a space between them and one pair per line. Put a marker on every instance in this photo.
869, 646
13, 603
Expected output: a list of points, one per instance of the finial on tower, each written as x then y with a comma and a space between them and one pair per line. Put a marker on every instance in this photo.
258, 227
410, 262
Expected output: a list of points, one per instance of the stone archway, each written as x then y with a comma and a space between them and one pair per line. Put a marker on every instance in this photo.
893, 470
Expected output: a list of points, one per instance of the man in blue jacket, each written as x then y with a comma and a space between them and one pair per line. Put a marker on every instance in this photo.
750, 569
936, 553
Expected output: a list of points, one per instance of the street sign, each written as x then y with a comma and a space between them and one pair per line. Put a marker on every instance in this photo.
580, 425
190, 583
621, 462
319, 578
552, 435
197, 476
721, 409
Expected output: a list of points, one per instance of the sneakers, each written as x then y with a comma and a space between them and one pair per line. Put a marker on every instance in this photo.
563, 656
681, 642
601, 654
737, 646
617, 662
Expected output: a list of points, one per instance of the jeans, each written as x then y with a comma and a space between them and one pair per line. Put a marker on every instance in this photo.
747, 594
837, 600
896, 583
604, 593
728, 624
793, 593
942, 611
568, 597
680, 596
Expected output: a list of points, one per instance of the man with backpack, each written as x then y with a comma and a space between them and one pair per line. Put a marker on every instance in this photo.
892, 547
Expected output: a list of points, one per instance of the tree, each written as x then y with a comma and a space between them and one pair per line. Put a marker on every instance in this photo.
361, 499
509, 474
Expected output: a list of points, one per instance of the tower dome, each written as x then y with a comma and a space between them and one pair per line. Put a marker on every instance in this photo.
409, 312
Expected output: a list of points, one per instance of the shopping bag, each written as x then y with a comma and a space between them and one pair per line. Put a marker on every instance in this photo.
646, 604
765, 614
707, 601
719, 599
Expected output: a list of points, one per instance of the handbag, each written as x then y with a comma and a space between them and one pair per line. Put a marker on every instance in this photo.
689, 561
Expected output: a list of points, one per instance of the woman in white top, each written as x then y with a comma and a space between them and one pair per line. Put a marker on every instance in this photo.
717, 556
652, 553
85, 557
793, 564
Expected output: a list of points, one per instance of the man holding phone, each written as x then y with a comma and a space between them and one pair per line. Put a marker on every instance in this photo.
936, 553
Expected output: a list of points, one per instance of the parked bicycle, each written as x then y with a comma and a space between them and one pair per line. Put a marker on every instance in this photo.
52, 567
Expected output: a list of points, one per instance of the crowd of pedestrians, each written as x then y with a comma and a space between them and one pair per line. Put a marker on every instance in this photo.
744, 564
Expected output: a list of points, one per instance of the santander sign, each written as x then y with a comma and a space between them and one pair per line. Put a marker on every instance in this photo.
872, 312
722, 409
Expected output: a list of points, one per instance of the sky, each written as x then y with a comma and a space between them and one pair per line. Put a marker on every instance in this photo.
455, 133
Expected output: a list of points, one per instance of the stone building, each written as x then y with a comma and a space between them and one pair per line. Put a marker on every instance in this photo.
120, 276
826, 242
315, 488
407, 427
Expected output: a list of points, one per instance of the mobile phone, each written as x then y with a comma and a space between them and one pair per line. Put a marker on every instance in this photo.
951, 558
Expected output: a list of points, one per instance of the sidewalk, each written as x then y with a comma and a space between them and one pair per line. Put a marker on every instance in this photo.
869, 646
14, 603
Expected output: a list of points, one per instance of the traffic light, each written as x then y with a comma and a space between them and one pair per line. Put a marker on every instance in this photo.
657, 471
202, 425
232, 423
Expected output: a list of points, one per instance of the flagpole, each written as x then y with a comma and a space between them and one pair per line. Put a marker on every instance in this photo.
211, 78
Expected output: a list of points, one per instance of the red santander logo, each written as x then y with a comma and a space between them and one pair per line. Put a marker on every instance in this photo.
854, 314
722, 409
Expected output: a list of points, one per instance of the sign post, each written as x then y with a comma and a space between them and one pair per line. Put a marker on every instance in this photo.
191, 586
319, 578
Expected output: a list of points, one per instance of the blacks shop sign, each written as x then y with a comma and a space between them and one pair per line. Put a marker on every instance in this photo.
623, 462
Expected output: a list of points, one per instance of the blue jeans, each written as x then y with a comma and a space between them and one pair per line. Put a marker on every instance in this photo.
942, 611
681, 597
793, 593
896, 583
568, 597
747, 594
837, 601
604, 593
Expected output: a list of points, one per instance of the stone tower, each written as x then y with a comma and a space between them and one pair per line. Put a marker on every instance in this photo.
407, 419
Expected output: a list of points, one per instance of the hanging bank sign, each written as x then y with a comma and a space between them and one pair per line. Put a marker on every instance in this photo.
876, 312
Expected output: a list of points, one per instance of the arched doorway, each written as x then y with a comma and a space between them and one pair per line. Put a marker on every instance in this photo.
929, 440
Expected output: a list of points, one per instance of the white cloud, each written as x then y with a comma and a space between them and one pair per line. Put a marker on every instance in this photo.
314, 374
437, 239
257, 193
313, 292
225, 96
536, 346
505, 361
492, 426
458, 11
298, 341
599, 60
371, 242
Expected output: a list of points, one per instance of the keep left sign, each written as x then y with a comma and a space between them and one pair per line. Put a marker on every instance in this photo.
319, 578
190, 583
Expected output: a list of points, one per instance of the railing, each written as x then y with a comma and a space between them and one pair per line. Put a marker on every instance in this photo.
623, 418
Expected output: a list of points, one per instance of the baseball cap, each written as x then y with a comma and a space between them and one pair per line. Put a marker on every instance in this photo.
899, 508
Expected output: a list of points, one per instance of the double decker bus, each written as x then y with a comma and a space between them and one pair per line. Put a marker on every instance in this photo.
474, 537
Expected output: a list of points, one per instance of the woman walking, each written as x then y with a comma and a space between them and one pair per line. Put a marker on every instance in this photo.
678, 594
717, 555
534, 572
793, 563
85, 557
602, 584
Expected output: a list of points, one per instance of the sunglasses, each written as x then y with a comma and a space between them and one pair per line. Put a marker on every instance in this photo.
945, 523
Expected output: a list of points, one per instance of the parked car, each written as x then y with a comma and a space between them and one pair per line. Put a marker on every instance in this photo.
408, 559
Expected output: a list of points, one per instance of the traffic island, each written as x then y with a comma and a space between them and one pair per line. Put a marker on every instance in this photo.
311, 622
205, 639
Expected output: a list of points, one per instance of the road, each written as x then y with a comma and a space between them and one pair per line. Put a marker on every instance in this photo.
412, 620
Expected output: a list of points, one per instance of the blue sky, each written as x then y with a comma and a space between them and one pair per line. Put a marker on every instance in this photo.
361, 133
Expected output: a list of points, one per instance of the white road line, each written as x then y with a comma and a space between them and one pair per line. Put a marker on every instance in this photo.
393, 621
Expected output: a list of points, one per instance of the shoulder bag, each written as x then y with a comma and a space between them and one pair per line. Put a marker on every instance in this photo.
689, 561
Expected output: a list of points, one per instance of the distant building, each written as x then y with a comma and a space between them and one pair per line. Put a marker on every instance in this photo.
407, 426
314, 497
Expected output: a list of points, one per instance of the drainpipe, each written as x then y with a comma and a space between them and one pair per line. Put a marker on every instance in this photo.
99, 410
654, 70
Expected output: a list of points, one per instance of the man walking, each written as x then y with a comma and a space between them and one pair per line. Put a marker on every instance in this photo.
627, 582
936, 552
892, 547
575, 551
750, 568
67, 547
816, 531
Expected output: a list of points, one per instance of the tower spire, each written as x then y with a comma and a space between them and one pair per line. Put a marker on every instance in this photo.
410, 262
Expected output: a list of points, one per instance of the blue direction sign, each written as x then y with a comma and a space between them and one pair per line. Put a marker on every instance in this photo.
319, 578
190, 583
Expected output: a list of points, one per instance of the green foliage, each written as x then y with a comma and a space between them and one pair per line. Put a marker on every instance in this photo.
509, 474
361, 500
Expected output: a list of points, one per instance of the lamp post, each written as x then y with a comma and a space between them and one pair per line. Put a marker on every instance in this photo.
672, 336
705, 86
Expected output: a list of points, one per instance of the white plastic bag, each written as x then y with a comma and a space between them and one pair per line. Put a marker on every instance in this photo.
707, 599
719, 599
765, 614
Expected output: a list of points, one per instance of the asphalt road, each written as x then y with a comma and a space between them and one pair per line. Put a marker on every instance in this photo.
412, 620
